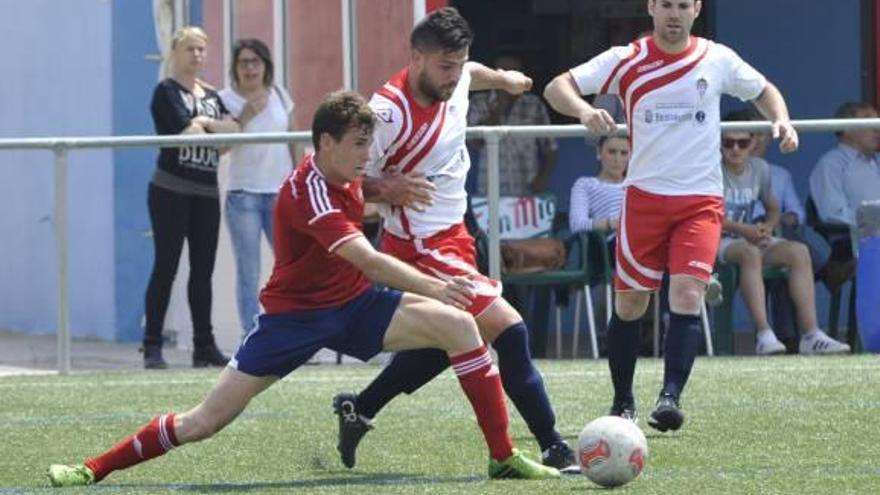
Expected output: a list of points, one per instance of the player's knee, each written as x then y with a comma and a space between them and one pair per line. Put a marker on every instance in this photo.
455, 330
686, 299
631, 306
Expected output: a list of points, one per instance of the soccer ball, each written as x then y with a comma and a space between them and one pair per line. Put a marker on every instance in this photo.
612, 451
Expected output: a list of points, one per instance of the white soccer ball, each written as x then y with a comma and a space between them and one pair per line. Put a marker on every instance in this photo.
612, 451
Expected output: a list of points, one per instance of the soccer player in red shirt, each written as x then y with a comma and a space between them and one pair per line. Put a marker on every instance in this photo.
671, 85
420, 137
320, 295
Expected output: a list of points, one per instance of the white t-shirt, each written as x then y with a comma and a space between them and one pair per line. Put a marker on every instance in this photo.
672, 106
260, 168
410, 138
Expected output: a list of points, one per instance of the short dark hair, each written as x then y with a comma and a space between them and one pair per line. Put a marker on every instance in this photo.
849, 110
338, 112
444, 29
261, 50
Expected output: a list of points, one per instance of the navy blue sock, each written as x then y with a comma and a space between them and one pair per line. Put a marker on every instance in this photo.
406, 372
680, 349
524, 385
623, 351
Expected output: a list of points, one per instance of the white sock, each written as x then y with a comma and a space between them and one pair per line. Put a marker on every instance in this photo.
766, 333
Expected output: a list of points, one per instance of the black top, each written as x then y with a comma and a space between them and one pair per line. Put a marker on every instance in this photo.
173, 107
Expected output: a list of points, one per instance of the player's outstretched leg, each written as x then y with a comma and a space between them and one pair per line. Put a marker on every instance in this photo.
226, 400
524, 385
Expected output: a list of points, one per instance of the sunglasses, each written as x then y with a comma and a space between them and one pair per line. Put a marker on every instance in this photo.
739, 143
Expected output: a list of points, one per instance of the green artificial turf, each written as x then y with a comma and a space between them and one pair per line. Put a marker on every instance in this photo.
754, 425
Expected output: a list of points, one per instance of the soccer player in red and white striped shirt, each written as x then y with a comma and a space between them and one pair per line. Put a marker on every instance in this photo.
421, 118
671, 85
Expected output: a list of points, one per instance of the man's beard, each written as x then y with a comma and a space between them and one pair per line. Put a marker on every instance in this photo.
432, 91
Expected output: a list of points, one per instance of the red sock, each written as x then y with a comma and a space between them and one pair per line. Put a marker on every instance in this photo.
482, 385
152, 440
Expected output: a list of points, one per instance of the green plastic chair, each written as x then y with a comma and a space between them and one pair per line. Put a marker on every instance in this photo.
830, 230
576, 275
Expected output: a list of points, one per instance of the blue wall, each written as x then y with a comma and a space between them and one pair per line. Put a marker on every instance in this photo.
811, 50
56, 83
134, 76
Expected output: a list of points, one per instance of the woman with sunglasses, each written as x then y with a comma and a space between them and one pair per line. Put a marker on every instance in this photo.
255, 170
752, 247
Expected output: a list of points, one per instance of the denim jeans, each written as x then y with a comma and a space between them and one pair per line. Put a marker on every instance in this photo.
247, 216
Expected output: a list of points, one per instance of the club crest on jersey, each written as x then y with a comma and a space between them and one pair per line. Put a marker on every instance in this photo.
702, 86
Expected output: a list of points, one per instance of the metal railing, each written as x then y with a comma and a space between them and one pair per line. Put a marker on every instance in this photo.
492, 135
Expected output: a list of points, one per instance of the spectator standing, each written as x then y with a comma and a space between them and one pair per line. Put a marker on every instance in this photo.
183, 198
255, 170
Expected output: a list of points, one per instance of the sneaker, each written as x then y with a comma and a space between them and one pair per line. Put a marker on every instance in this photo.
352, 427
666, 414
153, 359
819, 342
561, 457
714, 292
768, 344
62, 475
208, 356
626, 410
518, 466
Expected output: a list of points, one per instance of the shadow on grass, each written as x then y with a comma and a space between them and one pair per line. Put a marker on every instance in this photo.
375, 479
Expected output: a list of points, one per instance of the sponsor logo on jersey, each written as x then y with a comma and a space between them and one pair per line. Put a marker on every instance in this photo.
701, 266
417, 136
647, 67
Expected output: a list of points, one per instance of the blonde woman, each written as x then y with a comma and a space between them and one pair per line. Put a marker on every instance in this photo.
255, 170
183, 198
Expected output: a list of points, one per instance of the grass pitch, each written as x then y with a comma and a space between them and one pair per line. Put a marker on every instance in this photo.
755, 425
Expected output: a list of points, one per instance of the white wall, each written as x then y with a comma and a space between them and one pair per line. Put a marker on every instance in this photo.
56, 75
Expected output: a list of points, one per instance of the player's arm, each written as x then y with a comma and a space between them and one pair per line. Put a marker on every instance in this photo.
482, 78
392, 272
772, 105
564, 96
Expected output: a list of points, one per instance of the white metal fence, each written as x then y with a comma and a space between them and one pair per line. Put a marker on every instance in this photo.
61, 146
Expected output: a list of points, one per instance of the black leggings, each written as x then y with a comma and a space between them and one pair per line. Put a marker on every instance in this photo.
176, 217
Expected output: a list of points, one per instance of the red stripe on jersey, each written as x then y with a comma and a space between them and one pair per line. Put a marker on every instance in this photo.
393, 98
431, 141
421, 123
636, 49
656, 57
661, 81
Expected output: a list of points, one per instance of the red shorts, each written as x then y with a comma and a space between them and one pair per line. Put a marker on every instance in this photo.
444, 255
657, 233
